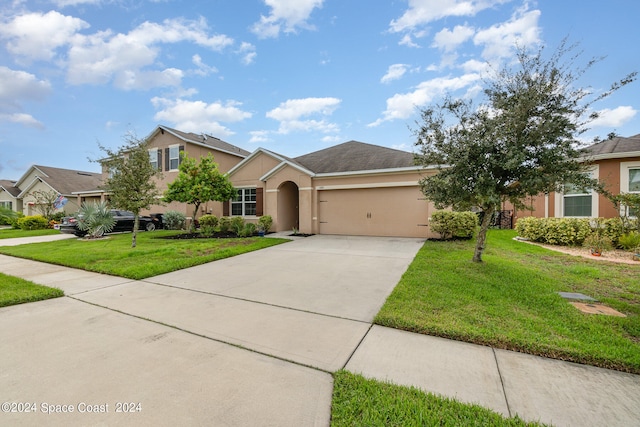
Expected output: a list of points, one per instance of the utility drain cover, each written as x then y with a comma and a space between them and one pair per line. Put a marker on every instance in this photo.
576, 296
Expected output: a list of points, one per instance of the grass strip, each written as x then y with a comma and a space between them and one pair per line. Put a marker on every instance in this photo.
9, 233
14, 290
358, 401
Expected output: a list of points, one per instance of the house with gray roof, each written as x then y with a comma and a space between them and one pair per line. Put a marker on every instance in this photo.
616, 162
352, 188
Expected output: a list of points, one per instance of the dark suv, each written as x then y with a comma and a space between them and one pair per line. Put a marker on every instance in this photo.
124, 222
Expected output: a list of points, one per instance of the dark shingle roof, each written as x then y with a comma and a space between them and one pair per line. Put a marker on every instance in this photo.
66, 181
10, 187
355, 156
615, 145
209, 140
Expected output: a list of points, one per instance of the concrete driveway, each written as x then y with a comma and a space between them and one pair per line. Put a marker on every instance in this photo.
177, 343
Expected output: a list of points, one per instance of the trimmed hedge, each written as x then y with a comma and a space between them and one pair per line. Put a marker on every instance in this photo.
568, 231
454, 224
33, 222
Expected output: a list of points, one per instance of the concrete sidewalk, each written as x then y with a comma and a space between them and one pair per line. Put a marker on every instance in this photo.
253, 340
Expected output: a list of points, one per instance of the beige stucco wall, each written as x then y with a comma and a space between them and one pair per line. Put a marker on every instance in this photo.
29, 202
16, 204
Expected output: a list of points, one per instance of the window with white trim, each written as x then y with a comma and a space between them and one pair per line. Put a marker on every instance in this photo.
6, 205
244, 203
577, 201
629, 183
153, 158
174, 157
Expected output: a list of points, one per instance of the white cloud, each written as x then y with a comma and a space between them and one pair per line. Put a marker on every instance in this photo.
407, 40
500, 40
16, 87
258, 136
403, 106
448, 40
123, 58
290, 113
286, 15
248, 53
422, 12
202, 68
37, 36
615, 117
64, 3
198, 116
395, 72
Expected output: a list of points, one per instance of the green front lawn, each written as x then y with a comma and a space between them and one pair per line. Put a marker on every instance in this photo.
510, 301
17, 291
9, 233
152, 256
358, 401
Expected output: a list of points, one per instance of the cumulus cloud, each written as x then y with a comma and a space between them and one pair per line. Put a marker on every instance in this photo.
422, 12
37, 36
17, 87
500, 40
202, 68
290, 114
199, 116
248, 53
614, 117
258, 136
395, 72
403, 105
449, 40
286, 15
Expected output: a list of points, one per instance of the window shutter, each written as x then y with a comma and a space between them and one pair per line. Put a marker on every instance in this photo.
160, 159
166, 159
259, 202
225, 208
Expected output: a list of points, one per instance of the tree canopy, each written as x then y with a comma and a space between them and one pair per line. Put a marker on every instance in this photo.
522, 140
130, 183
199, 182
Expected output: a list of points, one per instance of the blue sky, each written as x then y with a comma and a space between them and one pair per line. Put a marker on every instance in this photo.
292, 76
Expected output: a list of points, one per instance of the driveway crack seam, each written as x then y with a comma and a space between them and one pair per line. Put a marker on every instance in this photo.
357, 346
204, 336
504, 391
254, 302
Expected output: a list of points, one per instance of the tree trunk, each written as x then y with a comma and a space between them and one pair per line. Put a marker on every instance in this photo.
482, 234
136, 226
193, 220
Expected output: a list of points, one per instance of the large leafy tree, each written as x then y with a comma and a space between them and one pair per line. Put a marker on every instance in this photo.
522, 140
199, 182
130, 184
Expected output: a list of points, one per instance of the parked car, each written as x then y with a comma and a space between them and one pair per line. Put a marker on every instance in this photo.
124, 222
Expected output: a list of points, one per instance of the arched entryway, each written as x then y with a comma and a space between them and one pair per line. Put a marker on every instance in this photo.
288, 206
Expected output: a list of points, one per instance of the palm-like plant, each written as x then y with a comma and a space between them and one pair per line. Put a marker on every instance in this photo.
6, 215
95, 219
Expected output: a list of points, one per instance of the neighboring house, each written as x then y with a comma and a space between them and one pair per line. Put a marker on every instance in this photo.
19, 195
616, 162
165, 145
348, 189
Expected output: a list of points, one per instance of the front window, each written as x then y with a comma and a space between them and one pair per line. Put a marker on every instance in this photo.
244, 203
6, 205
174, 157
577, 201
634, 187
153, 158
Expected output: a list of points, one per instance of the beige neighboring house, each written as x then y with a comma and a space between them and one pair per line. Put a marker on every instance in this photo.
616, 162
165, 145
349, 189
18, 195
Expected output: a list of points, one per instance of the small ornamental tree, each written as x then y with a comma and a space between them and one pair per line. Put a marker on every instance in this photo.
130, 184
44, 202
523, 141
199, 182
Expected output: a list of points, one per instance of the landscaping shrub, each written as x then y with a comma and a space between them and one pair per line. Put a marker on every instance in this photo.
248, 230
33, 222
613, 228
208, 224
629, 241
555, 231
95, 219
57, 217
237, 224
454, 224
225, 224
174, 220
265, 222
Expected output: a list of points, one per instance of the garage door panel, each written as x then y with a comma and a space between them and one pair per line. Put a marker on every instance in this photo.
391, 211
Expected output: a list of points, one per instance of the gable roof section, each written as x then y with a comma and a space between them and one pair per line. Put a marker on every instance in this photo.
355, 156
64, 181
10, 187
618, 147
202, 140
284, 161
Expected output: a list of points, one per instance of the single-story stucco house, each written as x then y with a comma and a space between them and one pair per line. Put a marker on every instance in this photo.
352, 188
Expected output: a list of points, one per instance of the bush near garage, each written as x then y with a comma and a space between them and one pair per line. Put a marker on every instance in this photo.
208, 224
452, 225
33, 222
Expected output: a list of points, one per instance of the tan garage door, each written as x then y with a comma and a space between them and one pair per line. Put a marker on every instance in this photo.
391, 211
